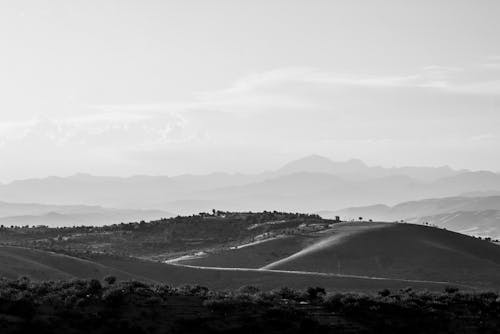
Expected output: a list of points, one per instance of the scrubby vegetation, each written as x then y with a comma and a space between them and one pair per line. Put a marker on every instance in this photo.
108, 306
156, 238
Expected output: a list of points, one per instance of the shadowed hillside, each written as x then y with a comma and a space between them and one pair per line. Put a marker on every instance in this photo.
254, 255
260, 254
161, 239
268, 249
402, 251
388, 250
41, 265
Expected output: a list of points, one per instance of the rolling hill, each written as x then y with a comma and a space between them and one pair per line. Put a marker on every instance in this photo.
268, 249
388, 250
41, 265
402, 251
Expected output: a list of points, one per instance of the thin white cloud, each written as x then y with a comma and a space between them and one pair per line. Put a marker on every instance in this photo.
310, 75
295, 109
286, 89
440, 78
273, 90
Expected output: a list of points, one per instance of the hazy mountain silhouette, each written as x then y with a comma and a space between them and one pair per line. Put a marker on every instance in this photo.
309, 184
319, 164
431, 206
356, 169
20, 214
483, 193
485, 223
127, 192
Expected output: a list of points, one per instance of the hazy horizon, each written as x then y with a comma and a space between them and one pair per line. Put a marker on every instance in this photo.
258, 170
169, 88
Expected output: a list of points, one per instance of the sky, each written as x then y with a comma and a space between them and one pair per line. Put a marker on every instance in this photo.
171, 87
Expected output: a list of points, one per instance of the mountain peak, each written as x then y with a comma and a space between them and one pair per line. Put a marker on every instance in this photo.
313, 158
356, 162
319, 164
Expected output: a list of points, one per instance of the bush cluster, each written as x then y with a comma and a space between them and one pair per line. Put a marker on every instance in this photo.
131, 306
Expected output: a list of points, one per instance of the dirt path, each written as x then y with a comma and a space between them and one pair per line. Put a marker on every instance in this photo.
298, 272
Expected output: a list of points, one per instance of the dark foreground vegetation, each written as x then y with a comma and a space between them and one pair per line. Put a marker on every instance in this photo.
108, 306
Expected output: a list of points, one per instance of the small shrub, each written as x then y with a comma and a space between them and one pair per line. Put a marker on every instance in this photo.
249, 290
94, 286
314, 294
451, 289
114, 296
110, 280
287, 293
384, 293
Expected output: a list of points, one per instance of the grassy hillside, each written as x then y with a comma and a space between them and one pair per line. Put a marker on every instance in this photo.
41, 265
254, 255
269, 249
386, 250
261, 254
159, 239
402, 251
217, 278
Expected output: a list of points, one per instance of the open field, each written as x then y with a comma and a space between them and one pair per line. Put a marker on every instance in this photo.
40, 265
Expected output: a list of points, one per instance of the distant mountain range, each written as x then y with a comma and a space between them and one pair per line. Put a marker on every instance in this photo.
309, 184
484, 223
21, 214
